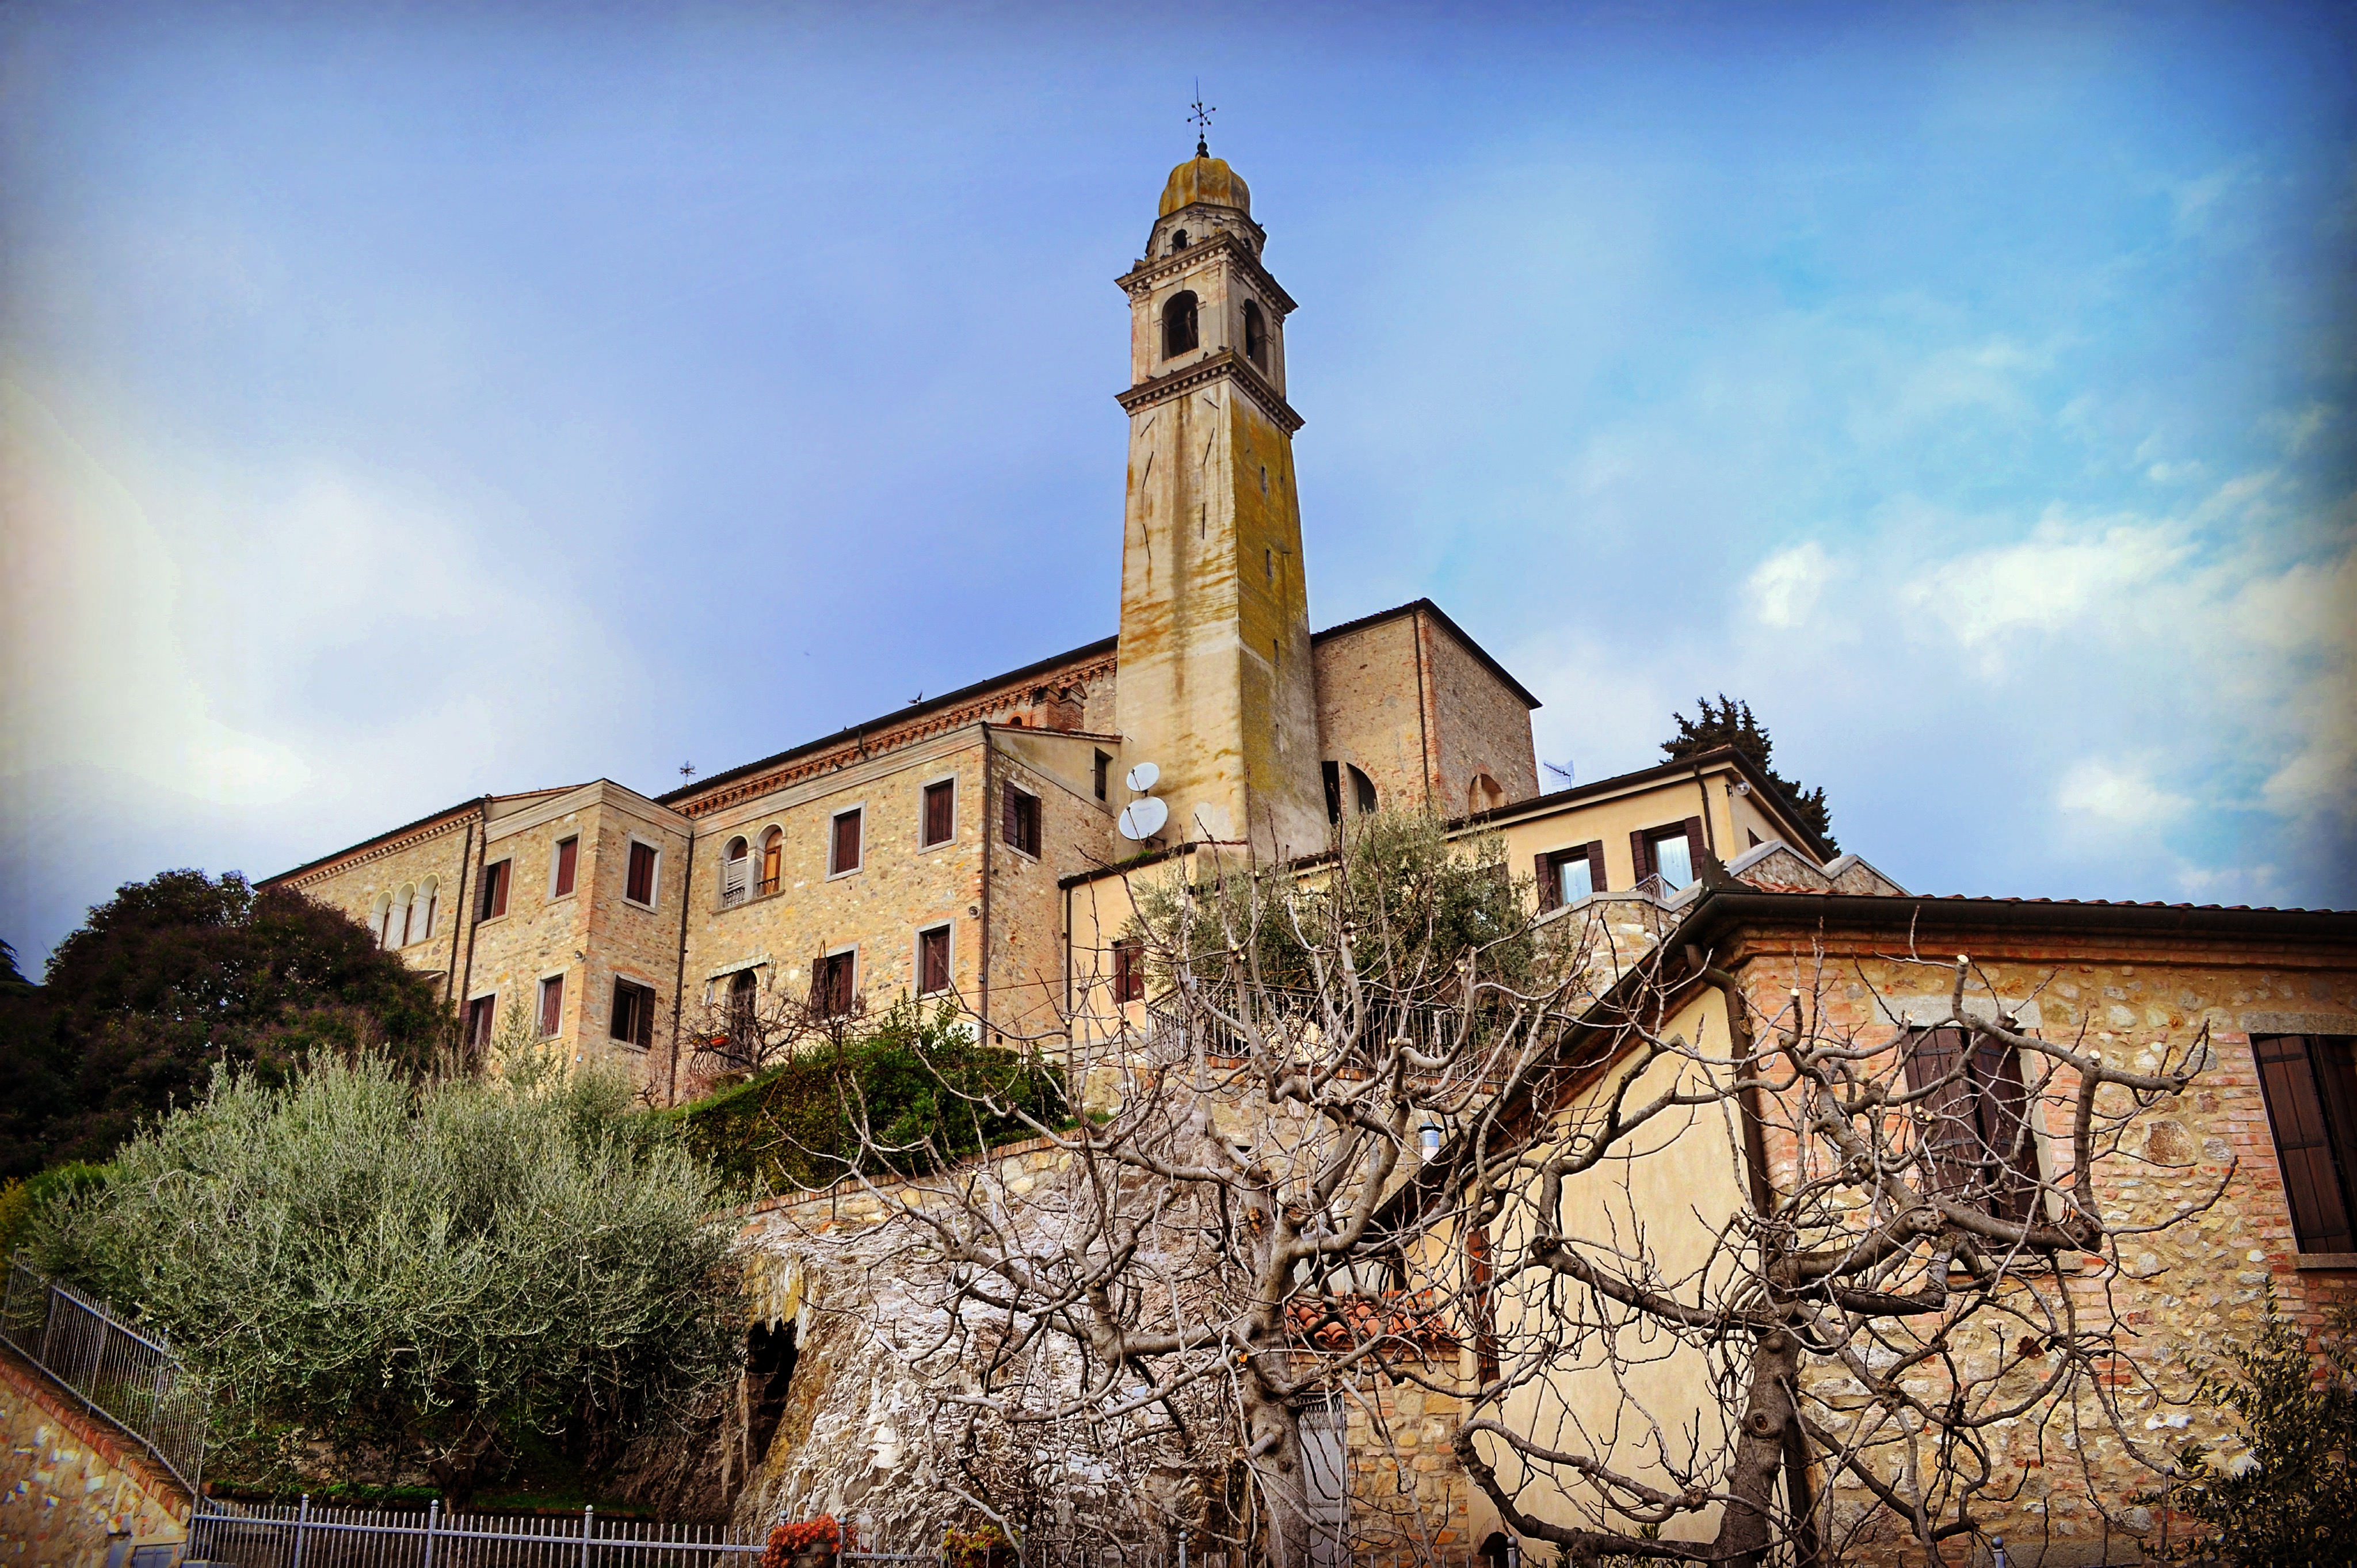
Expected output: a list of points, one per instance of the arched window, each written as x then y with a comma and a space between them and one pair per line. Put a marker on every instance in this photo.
1256, 334
381, 920
429, 896
743, 1020
1178, 241
773, 859
1365, 789
404, 903
735, 867
1179, 324
1484, 792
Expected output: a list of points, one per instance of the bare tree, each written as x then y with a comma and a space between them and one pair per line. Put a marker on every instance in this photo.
1891, 1299
1849, 1261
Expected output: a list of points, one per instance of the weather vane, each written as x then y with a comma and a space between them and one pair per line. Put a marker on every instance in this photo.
1202, 119
687, 770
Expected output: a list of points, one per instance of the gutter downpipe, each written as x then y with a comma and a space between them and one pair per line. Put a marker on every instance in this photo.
458, 916
679, 978
483, 818
1800, 1494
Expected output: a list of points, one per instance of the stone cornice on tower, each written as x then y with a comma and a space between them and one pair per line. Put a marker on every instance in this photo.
1224, 365
1141, 279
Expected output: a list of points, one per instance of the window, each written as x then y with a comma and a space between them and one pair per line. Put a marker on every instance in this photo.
429, 899
634, 1013
1129, 970
1022, 826
1364, 789
1178, 241
380, 919
1178, 324
843, 852
773, 859
640, 886
404, 908
1100, 774
1483, 793
932, 961
2309, 1083
1567, 876
494, 901
552, 1006
1268, 565
736, 872
1256, 343
832, 983
482, 1015
940, 812
560, 871
743, 1004
1671, 853
1333, 774
1977, 1142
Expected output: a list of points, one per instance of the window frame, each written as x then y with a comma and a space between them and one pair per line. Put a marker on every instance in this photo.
744, 892
564, 871
489, 1004
1549, 870
500, 876
1128, 970
1100, 774
552, 985
947, 931
925, 793
1645, 852
654, 873
643, 1005
822, 1003
1011, 812
834, 840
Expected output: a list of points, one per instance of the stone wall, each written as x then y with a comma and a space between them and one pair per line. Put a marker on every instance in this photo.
1481, 727
74, 1488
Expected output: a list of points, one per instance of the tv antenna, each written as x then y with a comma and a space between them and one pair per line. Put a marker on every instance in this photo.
1201, 118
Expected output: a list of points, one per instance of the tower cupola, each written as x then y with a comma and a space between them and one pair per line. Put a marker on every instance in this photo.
1206, 181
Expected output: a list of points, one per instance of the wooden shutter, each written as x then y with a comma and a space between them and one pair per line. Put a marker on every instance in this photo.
494, 901
552, 1006
2010, 1161
2312, 1176
646, 1034
1010, 830
1951, 1129
1697, 847
940, 803
1596, 866
566, 852
641, 883
1550, 883
736, 876
845, 852
1640, 856
773, 854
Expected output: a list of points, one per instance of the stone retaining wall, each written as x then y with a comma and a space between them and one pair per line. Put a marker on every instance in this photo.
74, 1489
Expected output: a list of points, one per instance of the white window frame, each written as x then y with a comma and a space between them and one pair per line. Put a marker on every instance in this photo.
956, 804
834, 816
655, 882
916, 958
556, 854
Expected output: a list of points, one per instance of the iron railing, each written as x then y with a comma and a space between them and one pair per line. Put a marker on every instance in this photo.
127, 1375
275, 1535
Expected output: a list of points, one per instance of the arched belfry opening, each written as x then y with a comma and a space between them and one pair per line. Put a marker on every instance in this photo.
1256, 334
1179, 324
1178, 241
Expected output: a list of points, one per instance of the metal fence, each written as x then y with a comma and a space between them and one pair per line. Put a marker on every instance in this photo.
127, 1375
273, 1535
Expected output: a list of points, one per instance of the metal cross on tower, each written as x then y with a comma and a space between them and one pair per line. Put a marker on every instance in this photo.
1201, 119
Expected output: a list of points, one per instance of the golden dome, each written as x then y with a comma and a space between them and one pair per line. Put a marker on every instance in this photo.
1207, 179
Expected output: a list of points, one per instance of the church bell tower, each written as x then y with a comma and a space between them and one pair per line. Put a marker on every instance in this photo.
1216, 685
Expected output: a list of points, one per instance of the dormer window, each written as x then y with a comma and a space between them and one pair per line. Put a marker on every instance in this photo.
1178, 241
1178, 324
1255, 335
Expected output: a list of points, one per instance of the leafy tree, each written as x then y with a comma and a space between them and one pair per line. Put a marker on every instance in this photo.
175, 974
417, 1277
2285, 1499
1731, 723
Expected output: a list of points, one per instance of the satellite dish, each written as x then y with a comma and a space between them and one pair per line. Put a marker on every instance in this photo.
1144, 777
1142, 818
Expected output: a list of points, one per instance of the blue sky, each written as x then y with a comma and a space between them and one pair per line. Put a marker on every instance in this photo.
412, 400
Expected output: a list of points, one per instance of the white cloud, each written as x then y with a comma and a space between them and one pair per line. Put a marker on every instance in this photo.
2119, 796
2064, 577
1784, 588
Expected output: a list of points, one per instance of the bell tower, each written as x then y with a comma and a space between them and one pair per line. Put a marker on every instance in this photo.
1216, 685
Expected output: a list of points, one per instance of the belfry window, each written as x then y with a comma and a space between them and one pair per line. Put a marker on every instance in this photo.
1255, 335
1178, 324
1178, 241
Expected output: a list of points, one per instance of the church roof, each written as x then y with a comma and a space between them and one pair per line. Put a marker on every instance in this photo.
1208, 180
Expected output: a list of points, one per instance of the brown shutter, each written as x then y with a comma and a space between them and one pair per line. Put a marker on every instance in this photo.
1951, 1131
2319, 1208
2003, 1104
646, 1018
1009, 829
1641, 855
1595, 864
1696, 847
1550, 884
